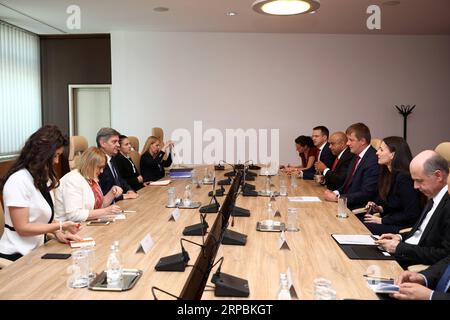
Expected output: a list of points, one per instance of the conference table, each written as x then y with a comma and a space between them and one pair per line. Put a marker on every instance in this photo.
312, 252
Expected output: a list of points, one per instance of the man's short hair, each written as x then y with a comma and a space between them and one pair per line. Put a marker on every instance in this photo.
360, 130
324, 130
435, 162
104, 134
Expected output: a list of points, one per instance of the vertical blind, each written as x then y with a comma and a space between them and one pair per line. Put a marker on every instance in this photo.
20, 88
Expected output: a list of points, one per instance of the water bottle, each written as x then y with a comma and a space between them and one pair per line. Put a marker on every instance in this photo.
113, 268
293, 181
284, 293
187, 199
267, 187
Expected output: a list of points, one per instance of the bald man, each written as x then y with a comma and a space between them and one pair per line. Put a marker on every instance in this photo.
429, 240
336, 174
418, 286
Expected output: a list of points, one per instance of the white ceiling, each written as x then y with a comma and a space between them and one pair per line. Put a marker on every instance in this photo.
334, 16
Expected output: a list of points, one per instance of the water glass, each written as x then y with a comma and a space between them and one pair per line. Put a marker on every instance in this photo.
90, 252
318, 178
342, 207
292, 220
293, 181
79, 270
323, 290
172, 194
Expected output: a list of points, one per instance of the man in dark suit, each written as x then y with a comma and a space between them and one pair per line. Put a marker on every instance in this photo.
361, 182
429, 240
334, 176
108, 140
320, 136
417, 286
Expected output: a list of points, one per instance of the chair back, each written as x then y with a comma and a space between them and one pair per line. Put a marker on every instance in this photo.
444, 150
159, 133
136, 157
78, 144
134, 141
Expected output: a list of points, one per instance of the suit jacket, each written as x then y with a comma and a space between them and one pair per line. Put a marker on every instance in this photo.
74, 197
434, 274
152, 169
128, 171
335, 179
107, 180
434, 243
364, 185
402, 206
326, 157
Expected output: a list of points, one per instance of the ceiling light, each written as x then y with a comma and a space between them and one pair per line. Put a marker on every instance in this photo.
285, 7
231, 14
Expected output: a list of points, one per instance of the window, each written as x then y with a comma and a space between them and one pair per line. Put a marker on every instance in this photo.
20, 88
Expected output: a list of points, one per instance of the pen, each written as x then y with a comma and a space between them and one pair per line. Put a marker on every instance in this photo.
376, 277
128, 211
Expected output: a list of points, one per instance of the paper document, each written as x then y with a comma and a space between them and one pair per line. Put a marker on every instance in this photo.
362, 239
304, 199
160, 183
83, 243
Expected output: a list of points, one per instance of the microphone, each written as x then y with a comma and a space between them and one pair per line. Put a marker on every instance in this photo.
198, 229
227, 285
213, 206
224, 182
219, 192
176, 262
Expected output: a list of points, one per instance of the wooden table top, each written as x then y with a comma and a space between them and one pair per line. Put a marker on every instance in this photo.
313, 253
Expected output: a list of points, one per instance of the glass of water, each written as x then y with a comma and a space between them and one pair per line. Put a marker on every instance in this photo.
342, 207
292, 220
172, 197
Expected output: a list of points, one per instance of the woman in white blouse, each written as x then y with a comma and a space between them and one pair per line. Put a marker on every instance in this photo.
27, 198
79, 196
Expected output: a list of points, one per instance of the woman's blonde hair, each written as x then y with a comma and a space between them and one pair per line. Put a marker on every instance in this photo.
89, 160
150, 140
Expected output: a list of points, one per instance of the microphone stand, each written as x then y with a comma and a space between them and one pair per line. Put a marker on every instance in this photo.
227, 285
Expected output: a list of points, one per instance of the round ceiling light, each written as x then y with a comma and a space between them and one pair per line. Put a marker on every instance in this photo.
285, 7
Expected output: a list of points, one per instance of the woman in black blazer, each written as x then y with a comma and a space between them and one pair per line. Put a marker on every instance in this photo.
152, 159
398, 202
127, 168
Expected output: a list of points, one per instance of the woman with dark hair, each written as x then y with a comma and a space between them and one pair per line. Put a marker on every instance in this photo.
127, 168
398, 203
26, 196
307, 153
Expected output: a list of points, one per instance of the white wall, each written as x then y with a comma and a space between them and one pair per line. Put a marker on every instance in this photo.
287, 81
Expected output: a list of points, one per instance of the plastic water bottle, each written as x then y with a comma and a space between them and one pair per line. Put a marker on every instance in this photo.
113, 268
284, 293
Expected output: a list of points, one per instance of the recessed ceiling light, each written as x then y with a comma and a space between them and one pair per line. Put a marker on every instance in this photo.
161, 9
231, 14
391, 3
285, 7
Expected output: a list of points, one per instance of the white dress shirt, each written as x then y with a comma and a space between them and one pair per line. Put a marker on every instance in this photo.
415, 238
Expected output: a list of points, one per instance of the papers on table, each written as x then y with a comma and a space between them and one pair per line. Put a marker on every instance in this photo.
86, 242
361, 239
160, 183
304, 199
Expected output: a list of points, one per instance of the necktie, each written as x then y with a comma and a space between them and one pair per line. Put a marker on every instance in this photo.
444, 281
114, 173
335, 164
425, 211
350, 177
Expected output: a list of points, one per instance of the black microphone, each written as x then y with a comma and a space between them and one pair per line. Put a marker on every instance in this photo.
227, 285
176, 262
213, 206
219, 192
198, 229
224, 182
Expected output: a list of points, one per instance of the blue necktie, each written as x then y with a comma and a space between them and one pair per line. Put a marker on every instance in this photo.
444, 281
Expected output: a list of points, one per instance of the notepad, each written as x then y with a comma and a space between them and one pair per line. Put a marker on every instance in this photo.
160, 183
304, 199
83, 243
362, 239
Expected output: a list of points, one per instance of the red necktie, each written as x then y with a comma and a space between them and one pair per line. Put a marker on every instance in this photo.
335, 164
350, 178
